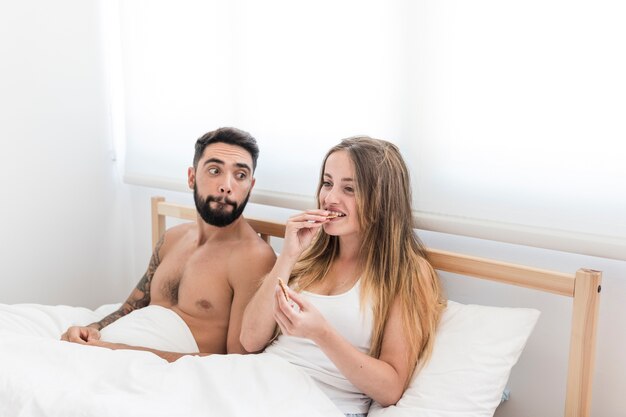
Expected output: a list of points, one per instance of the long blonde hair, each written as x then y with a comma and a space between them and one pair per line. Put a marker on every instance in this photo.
394, 261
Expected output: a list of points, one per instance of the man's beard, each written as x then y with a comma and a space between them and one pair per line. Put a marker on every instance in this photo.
218, 217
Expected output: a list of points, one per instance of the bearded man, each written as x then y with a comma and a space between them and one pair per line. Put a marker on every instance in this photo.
202, 274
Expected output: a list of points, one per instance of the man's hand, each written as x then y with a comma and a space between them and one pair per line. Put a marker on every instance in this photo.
82, 335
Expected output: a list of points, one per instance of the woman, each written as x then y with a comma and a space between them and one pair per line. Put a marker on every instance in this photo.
364, 300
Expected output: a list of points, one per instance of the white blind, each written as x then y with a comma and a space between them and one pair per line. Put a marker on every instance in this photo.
510, 114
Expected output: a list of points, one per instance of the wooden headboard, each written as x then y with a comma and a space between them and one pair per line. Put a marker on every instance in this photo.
583, 287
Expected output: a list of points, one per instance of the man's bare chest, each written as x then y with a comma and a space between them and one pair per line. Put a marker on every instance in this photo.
196, 281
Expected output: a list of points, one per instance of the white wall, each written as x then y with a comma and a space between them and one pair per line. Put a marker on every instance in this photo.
62, 235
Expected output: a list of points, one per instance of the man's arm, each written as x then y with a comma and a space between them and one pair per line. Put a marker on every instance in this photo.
138, 298
168, 356
251, 267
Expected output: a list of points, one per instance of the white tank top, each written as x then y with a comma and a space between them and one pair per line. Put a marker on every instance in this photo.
343, 312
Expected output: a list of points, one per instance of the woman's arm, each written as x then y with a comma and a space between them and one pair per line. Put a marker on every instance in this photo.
258, 323
381, 379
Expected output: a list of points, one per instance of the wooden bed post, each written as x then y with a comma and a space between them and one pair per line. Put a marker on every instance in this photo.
158, 220
582, 344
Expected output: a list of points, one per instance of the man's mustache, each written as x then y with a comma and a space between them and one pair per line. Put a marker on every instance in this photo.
222, 200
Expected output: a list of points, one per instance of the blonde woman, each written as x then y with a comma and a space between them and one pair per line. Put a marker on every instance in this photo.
364, 302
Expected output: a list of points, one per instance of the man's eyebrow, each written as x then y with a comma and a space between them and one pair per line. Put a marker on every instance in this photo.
243, 165
213, 160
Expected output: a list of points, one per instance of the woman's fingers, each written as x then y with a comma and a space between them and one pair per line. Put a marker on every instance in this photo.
310, 217
297, 297
286, 313
279, 315
280, 323
282, 304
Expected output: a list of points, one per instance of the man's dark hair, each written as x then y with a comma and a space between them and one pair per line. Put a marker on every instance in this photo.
231, 136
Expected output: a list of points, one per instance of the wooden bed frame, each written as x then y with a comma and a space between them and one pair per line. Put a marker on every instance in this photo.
583, 287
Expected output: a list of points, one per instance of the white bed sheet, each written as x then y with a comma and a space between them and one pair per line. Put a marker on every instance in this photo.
43, 376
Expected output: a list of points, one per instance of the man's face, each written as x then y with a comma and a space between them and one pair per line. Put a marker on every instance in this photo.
222, 183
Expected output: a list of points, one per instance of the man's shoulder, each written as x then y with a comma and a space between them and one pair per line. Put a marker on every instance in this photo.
180, 229
175, 234
249, 263
254, 246
253, 251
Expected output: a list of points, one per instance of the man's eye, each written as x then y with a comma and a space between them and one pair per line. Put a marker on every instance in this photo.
242, 176
213, 171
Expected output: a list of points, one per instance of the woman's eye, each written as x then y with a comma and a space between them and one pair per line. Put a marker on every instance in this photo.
326, 184
349, 189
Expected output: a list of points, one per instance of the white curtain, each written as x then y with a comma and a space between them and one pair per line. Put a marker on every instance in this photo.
510, 114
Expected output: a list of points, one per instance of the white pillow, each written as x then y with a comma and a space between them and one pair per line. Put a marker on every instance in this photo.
475, 349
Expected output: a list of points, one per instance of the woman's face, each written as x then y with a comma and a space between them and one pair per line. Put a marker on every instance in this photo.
338, 194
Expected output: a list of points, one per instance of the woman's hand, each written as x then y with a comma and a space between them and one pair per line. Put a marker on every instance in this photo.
298, 317
300, 231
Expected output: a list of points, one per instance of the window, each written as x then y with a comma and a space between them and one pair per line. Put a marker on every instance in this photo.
510, 115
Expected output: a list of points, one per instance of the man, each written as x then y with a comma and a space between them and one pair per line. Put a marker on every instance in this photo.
204, 272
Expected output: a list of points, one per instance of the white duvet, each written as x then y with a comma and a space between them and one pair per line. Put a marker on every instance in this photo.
42, 376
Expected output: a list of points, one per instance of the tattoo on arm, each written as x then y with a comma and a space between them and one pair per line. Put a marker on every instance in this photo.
140, 297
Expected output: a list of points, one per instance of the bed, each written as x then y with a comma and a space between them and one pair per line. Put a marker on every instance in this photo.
475, 349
